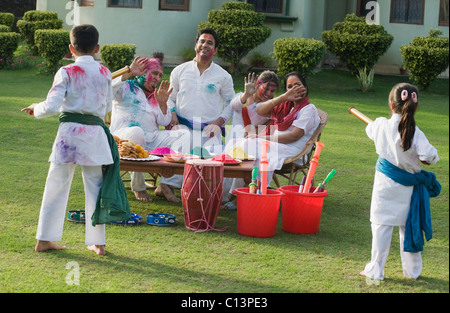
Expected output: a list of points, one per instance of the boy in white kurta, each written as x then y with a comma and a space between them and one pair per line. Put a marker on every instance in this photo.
390, 200
82, 87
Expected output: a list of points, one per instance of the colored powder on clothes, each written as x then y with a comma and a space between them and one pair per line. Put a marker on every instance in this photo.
211, 89
104, 71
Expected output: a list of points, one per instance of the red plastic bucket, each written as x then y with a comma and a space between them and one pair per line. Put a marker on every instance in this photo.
257, 214
301, 212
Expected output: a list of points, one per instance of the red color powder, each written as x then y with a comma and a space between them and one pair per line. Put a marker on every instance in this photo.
104, 71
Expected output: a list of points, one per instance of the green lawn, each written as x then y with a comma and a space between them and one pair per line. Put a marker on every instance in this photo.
174, 259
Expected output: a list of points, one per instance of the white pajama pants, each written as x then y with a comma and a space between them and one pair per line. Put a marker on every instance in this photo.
381, 242
56, 195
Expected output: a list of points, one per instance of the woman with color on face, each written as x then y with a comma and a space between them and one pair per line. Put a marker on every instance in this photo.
139, 108
293, 121
258, 89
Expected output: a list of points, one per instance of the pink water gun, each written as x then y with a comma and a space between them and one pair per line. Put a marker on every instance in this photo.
264, 165
312, 167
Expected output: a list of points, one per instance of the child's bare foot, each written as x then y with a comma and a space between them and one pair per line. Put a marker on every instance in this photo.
142, 196
47, 245
100, 250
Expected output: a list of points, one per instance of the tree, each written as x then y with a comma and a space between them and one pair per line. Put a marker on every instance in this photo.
358, 44
239, 28
426, 57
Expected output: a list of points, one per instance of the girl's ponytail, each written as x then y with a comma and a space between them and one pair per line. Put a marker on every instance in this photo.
405, 100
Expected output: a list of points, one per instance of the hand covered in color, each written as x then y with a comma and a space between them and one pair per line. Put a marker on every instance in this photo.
29, 109
138, 67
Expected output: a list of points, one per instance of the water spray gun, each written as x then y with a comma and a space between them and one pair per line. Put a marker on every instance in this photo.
322, 185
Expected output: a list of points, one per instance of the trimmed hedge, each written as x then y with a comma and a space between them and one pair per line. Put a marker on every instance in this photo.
426, 58
357, 44
4, 29
7, 19
34, 20
52, 44
116, 56
298, 54
9, 42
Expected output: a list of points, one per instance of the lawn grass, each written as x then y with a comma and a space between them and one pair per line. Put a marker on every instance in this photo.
173, 259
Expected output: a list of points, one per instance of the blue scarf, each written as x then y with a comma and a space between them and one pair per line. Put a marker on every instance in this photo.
419, 216
190, 124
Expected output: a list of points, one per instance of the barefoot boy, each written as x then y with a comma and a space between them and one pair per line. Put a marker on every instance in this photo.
83, 89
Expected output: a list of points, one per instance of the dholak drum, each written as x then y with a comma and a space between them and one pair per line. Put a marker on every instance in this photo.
201, 194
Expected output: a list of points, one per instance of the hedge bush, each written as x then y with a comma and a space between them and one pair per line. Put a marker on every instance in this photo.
52, 44
239, 28
298, 54
357, 44
34, 20
7, 19
4, 29
426, 58
9, 42
117, 56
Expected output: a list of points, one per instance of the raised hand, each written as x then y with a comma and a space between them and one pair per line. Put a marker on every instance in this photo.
250, 84
296, 93
138, 67
163, 92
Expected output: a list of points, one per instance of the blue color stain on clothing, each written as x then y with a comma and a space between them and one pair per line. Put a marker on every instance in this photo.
211, 88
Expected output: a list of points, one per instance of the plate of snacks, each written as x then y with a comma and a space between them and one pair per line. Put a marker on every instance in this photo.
129, 151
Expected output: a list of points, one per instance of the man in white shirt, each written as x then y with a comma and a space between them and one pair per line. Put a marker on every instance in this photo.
202, 92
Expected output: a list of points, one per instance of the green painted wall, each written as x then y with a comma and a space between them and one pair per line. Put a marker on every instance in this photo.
172, 31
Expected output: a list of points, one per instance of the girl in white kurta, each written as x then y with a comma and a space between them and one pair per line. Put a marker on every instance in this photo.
245, 119
390, 200
82, 87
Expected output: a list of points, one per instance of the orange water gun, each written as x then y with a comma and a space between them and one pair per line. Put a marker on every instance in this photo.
312, 167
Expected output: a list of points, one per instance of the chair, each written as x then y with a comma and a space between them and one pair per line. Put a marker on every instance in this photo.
290, 169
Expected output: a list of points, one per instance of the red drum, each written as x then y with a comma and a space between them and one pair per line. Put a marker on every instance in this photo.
202, 194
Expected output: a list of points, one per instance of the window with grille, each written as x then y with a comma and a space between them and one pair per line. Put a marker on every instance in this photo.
174, 5
125, 3
407, 11
443, 13
267, 6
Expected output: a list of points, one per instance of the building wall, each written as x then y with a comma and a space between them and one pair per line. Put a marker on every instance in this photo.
405, 33
172, 31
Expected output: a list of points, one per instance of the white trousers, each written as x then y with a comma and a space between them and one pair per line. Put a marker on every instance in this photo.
56, 195
381, 242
